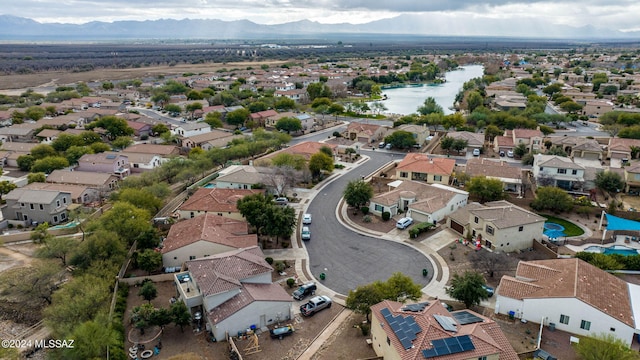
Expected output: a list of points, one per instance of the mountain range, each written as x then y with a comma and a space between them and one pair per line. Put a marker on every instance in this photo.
14, 28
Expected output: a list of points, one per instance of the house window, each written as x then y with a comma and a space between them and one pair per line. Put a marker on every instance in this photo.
564, 319
55, 219
379, 208
135, 166
521, 228
41, 207
541, 168
63, 216
612, 329
57, 203
574, 172
585, 325
437, 177
475, 219
192, 257
489, 230
64, 200
22, 204
31, 206
562, 171
482, 358
388, 341
192, 215
403, 174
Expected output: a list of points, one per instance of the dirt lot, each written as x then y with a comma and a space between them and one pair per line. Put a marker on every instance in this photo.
175, 342
56, 78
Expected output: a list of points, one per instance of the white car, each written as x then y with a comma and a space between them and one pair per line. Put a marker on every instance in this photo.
306, 219
510, 153
404, 223
476, 152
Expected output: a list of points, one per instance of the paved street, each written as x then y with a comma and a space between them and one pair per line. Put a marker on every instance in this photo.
352, 259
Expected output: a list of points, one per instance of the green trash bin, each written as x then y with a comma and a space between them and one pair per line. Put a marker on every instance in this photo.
322, 276
425, 272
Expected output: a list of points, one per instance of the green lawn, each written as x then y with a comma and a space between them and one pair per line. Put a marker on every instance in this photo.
570, 229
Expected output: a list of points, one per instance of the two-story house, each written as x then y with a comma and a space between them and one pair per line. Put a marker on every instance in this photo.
420, 132
102, 182
365, 133
498, 225
632, 178
186, 130
107, 162
233, 291
620, 148
558, 171
36, 206
532, 138
215, 201
422, 167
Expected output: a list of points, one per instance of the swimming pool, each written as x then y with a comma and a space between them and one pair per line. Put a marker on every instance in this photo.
209, 186
615, 249
553, 230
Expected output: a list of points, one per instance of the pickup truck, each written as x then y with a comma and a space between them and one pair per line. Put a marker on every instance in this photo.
314, 305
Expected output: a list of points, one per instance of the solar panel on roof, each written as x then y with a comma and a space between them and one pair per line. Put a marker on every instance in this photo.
446, 322
415, 307
465, 317
111, 156
405, 328
448, 346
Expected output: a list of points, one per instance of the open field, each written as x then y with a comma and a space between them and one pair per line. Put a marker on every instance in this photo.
16, 84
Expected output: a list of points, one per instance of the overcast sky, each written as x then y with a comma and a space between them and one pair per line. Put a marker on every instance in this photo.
621, 15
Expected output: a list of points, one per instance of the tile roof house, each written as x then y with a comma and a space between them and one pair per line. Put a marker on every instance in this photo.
510, 176
47, 136
558, 171
234, 291
474, 140
162, 150
213, 139
422, 167
576, 296
107, 162
191, 129
631, 177
532, 138
204, 235
366, 133
578, 147
216, 201
420, 132
102, 182
306, 149
498, 225
621, 148
428, 331
421, 202
503, 143
79, 194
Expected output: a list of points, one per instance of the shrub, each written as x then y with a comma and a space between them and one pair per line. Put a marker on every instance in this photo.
291, 282
337, 134
420, 228
285, 244
365, 210
386, 216
365, 329
367, 219
280, 266
269, 260
338, 166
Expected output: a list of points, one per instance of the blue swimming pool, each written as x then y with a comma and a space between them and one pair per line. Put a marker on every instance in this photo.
210, 186
553, 230
615, 249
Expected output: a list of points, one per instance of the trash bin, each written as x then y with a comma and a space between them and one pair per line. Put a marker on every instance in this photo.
425, 272
323, 276
512, 314
552, 326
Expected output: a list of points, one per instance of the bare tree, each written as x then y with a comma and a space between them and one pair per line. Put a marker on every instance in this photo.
490, 262
281, 178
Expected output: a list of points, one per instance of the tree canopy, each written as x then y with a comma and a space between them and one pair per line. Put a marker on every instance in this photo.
357, 193
485, 189
467, 288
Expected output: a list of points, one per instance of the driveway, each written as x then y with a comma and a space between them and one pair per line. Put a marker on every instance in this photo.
350, 259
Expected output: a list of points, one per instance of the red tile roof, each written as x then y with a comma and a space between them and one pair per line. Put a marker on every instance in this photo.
211, 228
216, 199
422, 163
570, 278
486, 335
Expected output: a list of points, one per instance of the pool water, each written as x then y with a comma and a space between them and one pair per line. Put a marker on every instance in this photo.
209, 186
615, 249
553, 230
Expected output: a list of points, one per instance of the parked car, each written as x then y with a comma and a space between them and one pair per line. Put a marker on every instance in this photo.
404, 223
282, 201
476, 152
306, 233
489, 290
279, 333
388, 146
305, 290
510, 153
306, 219
314, 305
381, 145
502, 153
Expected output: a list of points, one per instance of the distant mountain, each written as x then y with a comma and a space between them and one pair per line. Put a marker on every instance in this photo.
17, 28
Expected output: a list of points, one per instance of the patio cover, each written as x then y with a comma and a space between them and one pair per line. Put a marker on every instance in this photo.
618, 223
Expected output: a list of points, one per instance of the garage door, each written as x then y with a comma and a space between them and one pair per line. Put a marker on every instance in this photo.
592, 156
457, 227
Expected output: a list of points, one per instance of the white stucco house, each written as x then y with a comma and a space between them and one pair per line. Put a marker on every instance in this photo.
420, 201
233, 291
558, 171
573, 295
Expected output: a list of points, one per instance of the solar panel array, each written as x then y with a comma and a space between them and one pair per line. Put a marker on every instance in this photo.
449, 346
446, 322
405, 328
415, 307
110, 156
465, 317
